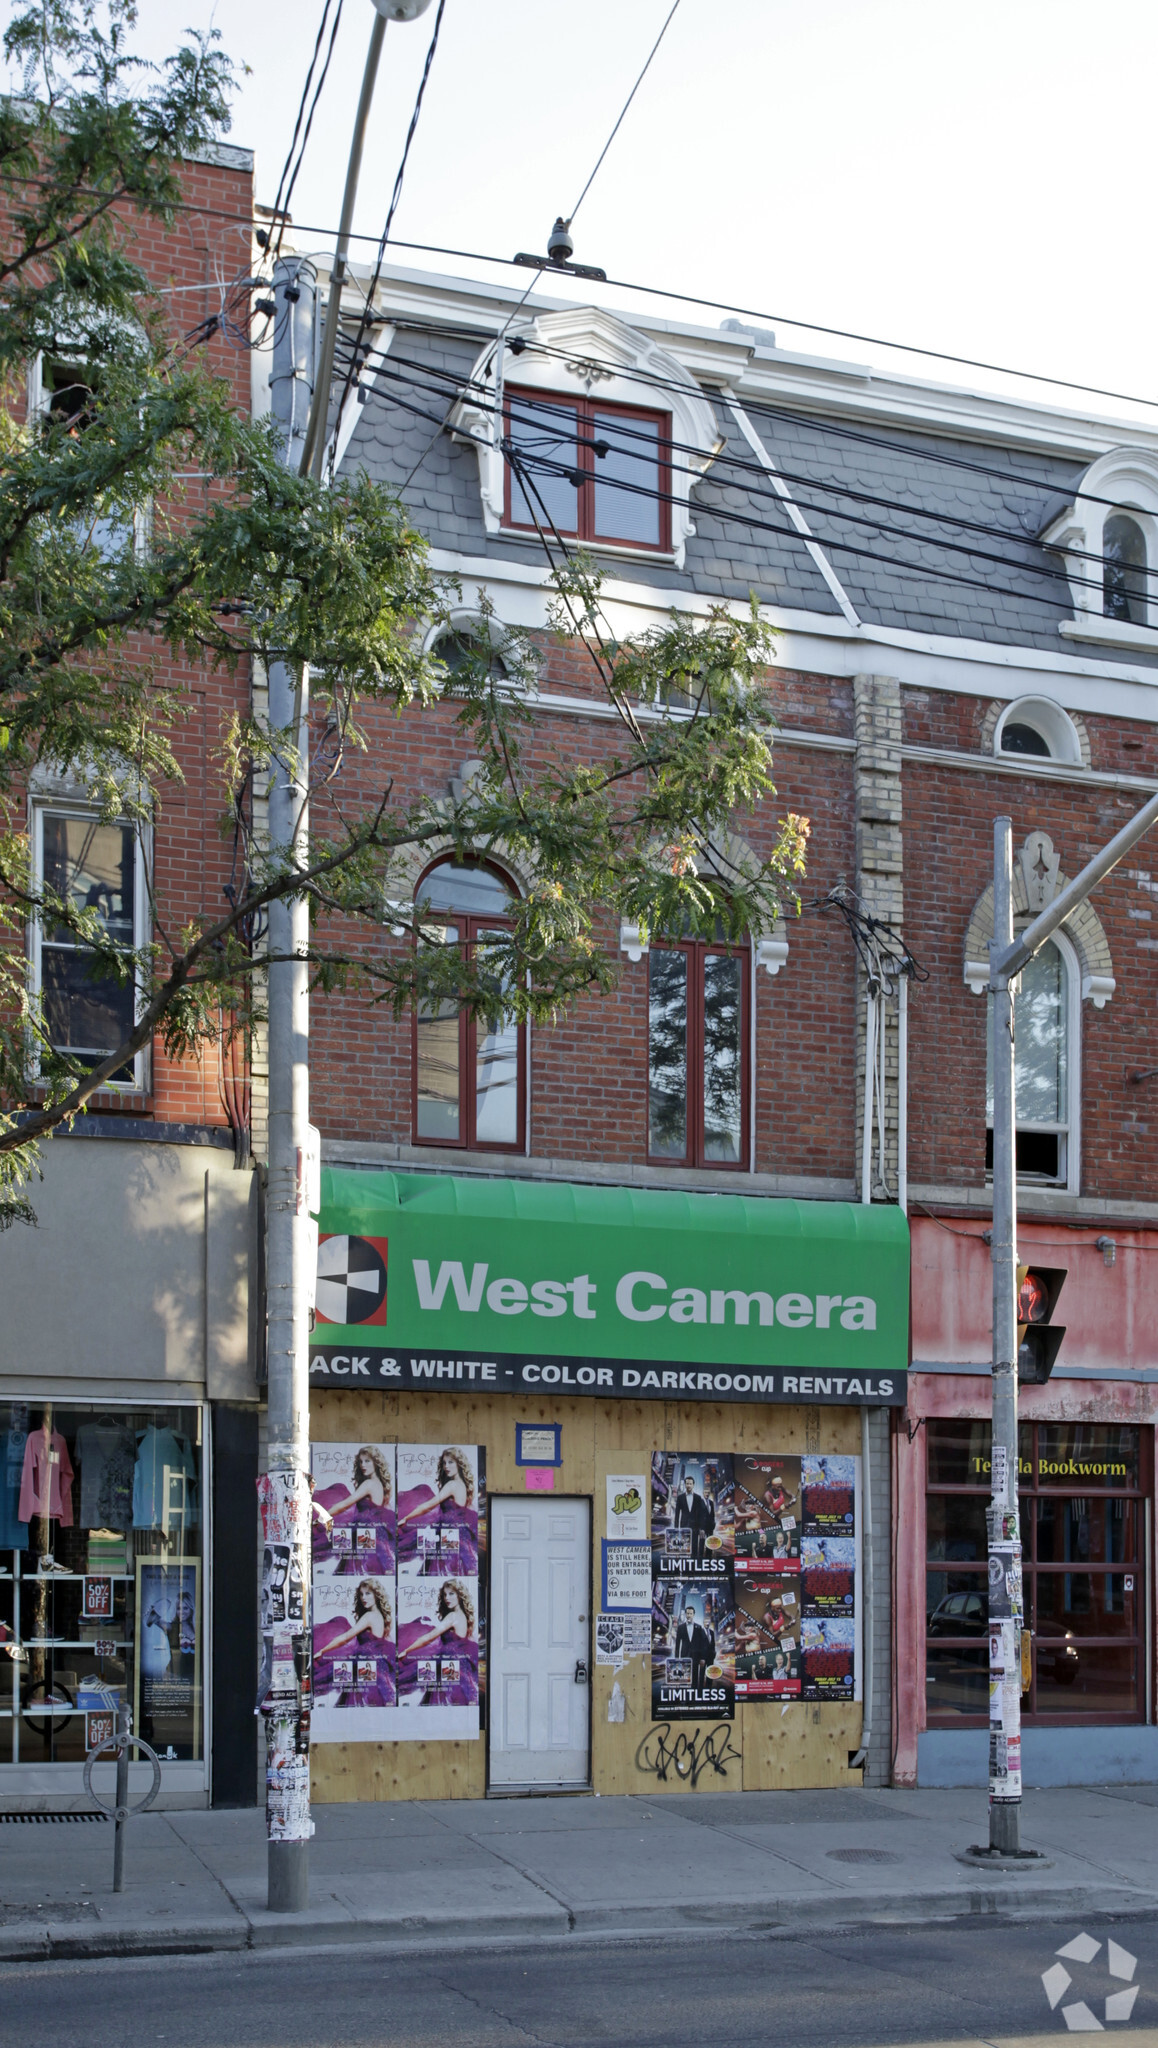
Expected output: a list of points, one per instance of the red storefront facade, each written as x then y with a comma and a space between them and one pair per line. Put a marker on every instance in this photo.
1087, 1510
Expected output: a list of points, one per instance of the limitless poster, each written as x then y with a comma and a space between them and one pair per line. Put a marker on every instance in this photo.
693, 1649
692, 1530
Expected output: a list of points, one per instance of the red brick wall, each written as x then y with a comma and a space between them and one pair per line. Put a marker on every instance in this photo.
589, 1071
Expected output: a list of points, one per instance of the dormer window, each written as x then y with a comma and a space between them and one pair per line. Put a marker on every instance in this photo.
1124, 569
596, 472
1108, 537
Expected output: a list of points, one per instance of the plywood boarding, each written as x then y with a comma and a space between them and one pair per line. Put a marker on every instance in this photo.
761, 1748
364, 1771
810, 1744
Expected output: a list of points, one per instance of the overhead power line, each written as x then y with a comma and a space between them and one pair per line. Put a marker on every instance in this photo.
525, 409
718, 305
290, 169
623, 111
750, 522
395, 197
762, 318
821, 423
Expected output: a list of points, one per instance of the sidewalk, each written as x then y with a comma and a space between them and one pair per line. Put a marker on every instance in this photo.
470, 1871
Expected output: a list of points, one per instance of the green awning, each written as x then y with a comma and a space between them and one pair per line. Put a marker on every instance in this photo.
437, 1270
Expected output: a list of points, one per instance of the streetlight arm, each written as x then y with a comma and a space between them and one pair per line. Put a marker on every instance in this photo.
1008, 963
314, 448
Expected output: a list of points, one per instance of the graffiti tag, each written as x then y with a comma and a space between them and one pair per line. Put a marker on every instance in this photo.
665, 1751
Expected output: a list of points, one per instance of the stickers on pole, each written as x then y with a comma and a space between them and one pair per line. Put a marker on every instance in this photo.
396, 1591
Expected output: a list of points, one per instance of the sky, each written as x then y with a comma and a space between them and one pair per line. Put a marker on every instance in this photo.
970, 178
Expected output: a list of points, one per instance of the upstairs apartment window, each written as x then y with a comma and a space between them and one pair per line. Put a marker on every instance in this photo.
1124, 569
67, 398
603, 472
1042, 1069
97, 867
469, 1080
698, 1001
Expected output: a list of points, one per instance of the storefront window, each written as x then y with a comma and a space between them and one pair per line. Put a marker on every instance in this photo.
100, 1578
1081, 1531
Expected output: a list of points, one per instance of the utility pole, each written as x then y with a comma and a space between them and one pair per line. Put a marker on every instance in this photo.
291, 1250
315, 444
1007, 958
284, 1490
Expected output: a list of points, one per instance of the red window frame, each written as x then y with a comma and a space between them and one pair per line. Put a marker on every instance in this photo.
696, 951
1031, 1490
471, 929
585, 410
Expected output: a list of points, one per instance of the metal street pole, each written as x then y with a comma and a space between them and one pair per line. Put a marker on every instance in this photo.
284, 1487
1007, 957
1004, 1532
315, 444
291, 1254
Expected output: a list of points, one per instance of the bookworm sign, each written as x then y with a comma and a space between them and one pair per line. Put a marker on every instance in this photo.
518, 1286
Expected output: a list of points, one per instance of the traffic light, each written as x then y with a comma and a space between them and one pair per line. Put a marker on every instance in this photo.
1038, 1338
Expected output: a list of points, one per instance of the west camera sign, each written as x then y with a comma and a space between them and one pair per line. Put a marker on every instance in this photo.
518, 1285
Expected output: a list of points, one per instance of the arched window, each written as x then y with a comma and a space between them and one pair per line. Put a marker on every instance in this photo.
1019, 738
459, 645
1038, 727
469, 1082
1044, 1070
1124, 569
698, 1005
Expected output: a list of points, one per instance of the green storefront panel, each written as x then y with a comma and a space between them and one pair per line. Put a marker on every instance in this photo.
518, 1284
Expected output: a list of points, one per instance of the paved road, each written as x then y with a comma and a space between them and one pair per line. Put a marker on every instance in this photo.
973, 1984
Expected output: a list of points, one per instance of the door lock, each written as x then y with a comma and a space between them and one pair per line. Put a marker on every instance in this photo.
580, 1672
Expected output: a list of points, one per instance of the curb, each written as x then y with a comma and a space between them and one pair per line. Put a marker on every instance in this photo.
793, 1920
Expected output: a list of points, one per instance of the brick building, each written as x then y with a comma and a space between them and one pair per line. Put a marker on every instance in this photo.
681, 1303
128, 1394
959, 585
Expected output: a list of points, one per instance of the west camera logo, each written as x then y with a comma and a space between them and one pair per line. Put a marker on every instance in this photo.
1080, 2015
352, 1280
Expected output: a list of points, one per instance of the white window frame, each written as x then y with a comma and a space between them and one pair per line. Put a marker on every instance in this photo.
1122, 480
40, 807
38, 404
1053, 724
1069, 1179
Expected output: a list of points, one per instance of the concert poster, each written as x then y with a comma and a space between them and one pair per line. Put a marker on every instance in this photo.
829, 1489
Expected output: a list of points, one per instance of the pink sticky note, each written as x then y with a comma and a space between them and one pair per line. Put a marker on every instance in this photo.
540, 1478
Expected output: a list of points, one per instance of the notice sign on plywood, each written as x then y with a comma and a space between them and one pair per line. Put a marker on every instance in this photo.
626, 1577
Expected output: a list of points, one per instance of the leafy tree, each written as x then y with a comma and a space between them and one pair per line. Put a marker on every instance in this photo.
272, 566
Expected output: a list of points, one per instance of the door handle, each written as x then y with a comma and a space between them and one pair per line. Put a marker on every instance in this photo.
580, 1672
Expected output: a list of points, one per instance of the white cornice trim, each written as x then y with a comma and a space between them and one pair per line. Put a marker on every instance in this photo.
1040, 1203
560, 704
1110, 632
1030, 765
824, 642
823, 384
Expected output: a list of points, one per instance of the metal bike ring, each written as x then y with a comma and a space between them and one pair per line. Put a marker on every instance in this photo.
119, 1813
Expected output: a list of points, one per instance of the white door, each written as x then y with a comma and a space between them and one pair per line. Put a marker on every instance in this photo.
540, 1642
